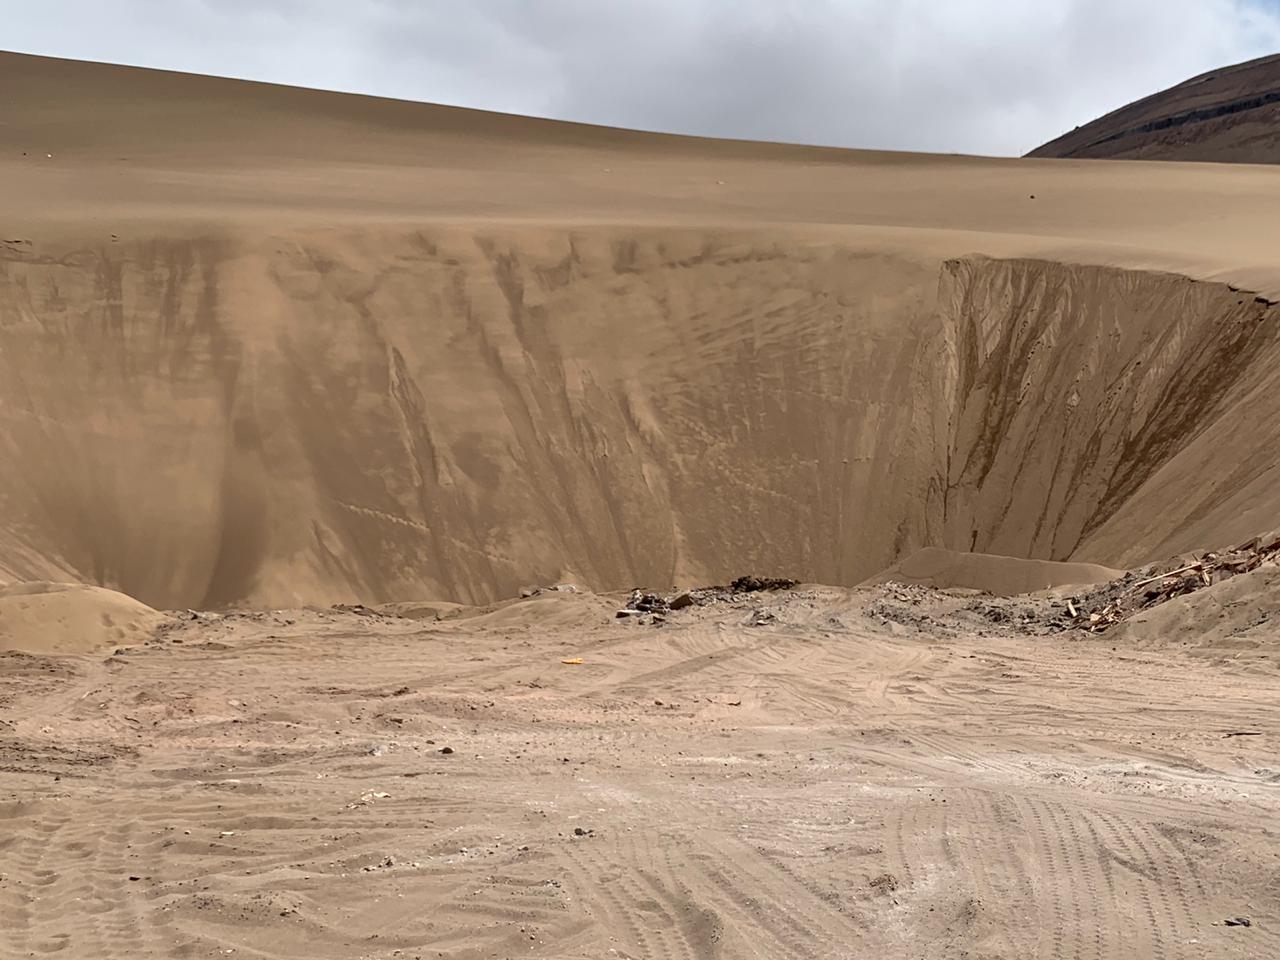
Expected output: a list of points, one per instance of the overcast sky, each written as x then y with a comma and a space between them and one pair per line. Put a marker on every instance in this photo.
975, 76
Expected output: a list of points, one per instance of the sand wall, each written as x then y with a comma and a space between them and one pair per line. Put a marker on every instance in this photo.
454, 413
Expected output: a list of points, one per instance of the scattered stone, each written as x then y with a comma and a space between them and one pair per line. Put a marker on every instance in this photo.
582, 832
529, 592
681, 600
761, 584
642, 602
367, 799
647, 602
1238, 922
359, 609
446, 750
885, 883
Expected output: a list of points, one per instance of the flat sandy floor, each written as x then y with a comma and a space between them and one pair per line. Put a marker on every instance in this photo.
828, 773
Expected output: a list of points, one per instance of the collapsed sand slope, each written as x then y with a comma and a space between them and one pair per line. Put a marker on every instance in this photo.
295, 422
264, 346
64, 618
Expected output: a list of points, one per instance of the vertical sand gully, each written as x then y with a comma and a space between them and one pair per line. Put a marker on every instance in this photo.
1104, 414
382, 414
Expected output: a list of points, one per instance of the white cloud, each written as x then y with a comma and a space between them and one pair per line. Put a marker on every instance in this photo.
994, 76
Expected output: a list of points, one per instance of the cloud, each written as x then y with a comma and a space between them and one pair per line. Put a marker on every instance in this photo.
987, 76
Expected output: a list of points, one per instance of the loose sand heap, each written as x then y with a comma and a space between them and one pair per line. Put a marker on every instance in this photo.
353, 373
71, 618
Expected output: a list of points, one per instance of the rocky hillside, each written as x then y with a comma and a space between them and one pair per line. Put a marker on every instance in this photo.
1230, 115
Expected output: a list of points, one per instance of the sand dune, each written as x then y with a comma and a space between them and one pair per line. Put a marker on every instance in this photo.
264, 346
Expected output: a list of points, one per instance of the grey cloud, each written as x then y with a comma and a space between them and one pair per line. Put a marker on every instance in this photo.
989, 76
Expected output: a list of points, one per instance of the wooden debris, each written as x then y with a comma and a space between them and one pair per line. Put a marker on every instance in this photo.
1120, 599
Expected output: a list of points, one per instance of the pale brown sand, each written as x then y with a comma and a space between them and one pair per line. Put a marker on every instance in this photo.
989, 573
865, 776
265, 347
71, 618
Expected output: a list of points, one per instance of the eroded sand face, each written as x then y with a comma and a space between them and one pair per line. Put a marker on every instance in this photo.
264, 347
866, 774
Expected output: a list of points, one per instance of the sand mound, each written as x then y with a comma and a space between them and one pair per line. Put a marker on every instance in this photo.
1231, 114
1235, 618
1001, 576
63, 618
254, 351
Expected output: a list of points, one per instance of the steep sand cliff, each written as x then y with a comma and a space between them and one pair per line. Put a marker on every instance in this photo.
389, 351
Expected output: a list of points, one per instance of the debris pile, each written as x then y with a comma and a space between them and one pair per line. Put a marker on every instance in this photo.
530, 592
643, 603
1120, 599
759, 584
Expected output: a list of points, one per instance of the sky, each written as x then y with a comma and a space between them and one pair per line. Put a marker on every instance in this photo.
953, 76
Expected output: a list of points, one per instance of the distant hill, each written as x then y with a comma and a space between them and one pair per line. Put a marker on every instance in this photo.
1230, 115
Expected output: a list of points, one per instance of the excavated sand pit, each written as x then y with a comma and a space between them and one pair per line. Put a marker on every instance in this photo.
265, 352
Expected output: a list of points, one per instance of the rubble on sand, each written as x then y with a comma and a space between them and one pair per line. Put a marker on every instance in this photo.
641, 602
1113, 602
529, 592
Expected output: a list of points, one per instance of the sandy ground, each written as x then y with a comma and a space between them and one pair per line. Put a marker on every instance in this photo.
824, 773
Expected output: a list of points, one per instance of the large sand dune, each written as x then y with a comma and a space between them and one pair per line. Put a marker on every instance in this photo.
264, 346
